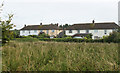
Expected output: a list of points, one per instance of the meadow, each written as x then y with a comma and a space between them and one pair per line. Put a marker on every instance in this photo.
59, 56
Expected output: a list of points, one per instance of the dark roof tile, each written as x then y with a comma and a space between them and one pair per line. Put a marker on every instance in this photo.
87, 26
41, 27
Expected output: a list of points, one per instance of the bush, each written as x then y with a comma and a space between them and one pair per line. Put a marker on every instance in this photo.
113, 37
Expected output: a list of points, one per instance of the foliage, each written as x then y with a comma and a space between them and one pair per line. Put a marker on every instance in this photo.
89, 36
64, 26
16, 33
43, 35
113, 37
59, 56
6, 27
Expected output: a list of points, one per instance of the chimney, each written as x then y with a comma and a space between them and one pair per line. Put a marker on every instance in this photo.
56, 24
40, 23
25, 25
93, 21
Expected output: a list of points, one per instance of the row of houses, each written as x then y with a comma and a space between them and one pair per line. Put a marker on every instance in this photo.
98, 30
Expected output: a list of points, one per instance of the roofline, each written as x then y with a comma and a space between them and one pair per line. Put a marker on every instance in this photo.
92, 29
96, 23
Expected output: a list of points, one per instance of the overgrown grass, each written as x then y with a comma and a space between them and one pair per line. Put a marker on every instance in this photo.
59, 56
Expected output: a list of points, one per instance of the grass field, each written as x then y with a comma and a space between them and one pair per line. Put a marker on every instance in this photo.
59, 56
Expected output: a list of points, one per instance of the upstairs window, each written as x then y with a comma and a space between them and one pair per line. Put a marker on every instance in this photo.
96, 31
29, 31
105, 31
78, 31
53, 30
41, 31
47, 31
87, 31
70, 31
23, 31
35, 31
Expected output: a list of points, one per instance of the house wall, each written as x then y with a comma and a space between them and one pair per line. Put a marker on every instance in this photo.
50, 33
26, 32
32, 32
100, 33
74, 32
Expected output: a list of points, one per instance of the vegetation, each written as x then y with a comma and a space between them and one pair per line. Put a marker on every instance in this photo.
6, 26
59, 56
64, 26
16, 33
113, 37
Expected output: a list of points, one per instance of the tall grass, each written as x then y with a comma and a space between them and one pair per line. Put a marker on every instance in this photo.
59, 56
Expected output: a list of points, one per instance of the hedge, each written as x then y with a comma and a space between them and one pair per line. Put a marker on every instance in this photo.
70, 40
31, 39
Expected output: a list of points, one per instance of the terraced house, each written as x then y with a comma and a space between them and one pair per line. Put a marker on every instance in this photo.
50, 29
98, 30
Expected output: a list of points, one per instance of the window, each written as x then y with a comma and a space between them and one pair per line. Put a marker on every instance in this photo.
70, 31
96, 31
87, 31
41, 31
23, 31
78, 31
53, 31
105, 31
35, 31
29, 31
47, 31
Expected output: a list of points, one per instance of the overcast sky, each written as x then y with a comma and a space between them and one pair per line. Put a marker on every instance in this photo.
60, 11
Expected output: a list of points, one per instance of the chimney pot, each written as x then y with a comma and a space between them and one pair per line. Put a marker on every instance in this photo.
93, 21
25, 25
57, 24
40, 23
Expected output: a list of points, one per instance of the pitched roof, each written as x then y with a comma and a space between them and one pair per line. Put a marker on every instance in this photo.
87, 26
41, 27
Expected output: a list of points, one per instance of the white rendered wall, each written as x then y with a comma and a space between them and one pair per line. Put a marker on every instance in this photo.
74, 32
119, 13
100, 33
26, 32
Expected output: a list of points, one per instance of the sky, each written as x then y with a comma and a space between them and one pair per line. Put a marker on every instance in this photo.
33, 12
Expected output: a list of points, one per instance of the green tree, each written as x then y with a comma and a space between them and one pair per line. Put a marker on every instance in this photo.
89, 36
6, 27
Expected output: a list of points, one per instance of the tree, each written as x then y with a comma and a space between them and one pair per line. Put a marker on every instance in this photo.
6, 27
89, 36
113, 37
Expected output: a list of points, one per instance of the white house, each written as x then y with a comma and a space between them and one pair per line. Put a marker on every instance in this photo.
98, 30
50, 29
119, 12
